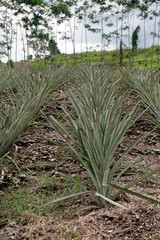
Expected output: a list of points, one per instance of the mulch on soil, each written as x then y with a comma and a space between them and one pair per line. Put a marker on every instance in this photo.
137, 223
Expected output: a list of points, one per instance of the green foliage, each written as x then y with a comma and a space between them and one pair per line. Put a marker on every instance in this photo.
10, 63
29, 2
61, 8
97, 130
38, 66
6, 79
135, 38
52, 48
21, 202
33, 90
30, 57
146, 85
109, 58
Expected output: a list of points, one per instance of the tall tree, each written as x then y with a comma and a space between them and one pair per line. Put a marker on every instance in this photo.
135, 40
7, 28
155, 15
34, 19
106, 15
144, 13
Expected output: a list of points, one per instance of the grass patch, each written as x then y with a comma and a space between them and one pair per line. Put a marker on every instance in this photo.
110, 57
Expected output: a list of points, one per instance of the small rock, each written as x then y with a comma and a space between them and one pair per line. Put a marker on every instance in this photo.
158, 216
22, 176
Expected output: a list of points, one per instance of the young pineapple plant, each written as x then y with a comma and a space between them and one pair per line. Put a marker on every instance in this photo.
146, 84
96, 129
22, 104
6, 79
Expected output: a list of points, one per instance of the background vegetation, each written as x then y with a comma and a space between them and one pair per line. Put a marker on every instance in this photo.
42, 24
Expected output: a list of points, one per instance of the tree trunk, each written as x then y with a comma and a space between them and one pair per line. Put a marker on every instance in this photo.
85, 21
102, 32
73, 42
22, 38
155, 21
82, 41
117, 35
132, 34
144, 22
66, 43
158, 42
121, 41
16, 48
121, 53
129, 37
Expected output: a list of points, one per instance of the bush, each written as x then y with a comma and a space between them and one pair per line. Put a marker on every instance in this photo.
10, 63
37, 66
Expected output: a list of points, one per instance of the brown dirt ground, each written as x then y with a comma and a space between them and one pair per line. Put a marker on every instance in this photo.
38, 156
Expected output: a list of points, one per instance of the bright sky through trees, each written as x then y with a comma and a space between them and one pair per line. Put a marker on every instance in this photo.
75, 26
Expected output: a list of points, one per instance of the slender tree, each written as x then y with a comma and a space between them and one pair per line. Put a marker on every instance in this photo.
155, 14
135, 40
144, 12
